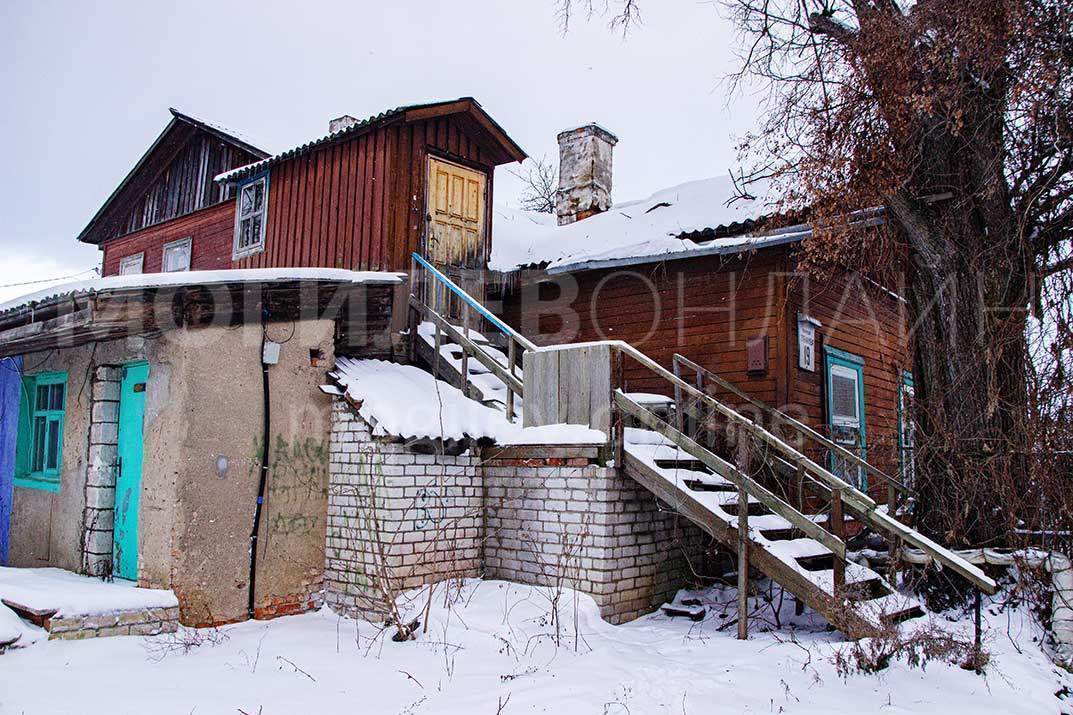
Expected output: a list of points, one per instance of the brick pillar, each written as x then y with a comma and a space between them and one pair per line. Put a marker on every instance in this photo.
99, 515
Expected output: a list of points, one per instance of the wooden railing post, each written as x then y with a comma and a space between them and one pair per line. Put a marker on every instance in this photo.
436, 356
743, 564
838, 528
465, 353
510, 368
617, 416
799, 487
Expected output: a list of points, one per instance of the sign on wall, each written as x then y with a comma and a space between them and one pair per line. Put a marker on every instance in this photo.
806, 342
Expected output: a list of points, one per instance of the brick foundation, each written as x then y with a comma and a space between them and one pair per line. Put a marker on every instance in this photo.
138, 622
412, 519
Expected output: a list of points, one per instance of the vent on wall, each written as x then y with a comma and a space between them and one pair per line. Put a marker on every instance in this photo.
756, 355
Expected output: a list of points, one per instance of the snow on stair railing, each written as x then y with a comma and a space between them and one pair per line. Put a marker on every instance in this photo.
424, 278
857, 502
894, 486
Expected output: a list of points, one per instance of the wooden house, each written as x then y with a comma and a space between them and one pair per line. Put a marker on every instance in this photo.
363, 197
699, 270
697, 277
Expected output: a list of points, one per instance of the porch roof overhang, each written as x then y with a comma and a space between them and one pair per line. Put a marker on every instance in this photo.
123, 306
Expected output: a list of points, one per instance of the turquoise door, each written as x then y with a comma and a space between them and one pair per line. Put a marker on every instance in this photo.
129, 470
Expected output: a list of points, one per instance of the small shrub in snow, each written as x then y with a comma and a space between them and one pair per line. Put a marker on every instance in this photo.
183, 641
917, 648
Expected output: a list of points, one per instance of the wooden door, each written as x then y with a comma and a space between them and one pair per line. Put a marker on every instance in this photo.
456, 229
128, 486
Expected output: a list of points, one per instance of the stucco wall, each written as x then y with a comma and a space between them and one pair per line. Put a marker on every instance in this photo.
202, 447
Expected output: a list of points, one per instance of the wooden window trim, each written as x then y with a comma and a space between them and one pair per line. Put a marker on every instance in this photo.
238, 252
189, 243
48, 478
141, 263
833, 357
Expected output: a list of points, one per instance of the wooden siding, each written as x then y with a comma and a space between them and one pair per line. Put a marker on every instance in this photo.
211, 230
707, 308
683, 306
176, 180
859, 318
360, 204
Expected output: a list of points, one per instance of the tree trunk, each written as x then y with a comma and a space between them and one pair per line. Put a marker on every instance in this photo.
967, 319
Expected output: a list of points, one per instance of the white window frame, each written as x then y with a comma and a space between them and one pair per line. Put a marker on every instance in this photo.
847, 373
236, 251
188, 243
126, 261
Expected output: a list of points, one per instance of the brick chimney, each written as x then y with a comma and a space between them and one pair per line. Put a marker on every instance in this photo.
584, 173
340, 123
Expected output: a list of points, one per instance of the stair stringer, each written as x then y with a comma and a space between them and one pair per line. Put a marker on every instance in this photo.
838, 612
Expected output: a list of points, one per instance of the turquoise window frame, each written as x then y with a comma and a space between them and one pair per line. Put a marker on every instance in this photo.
46, 478
831, 357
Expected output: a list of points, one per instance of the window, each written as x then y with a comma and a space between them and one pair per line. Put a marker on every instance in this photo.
845, 412
39, 454
177, 255
131, 264
250, 216
907, 442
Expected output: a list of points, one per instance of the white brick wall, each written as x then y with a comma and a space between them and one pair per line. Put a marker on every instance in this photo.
592, 527
541, 522
393, 515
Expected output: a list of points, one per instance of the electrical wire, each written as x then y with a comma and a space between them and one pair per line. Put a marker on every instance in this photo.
50, 280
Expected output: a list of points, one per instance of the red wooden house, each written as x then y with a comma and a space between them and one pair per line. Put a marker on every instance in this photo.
358, 197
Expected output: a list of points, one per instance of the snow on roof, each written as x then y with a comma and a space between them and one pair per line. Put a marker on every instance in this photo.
191, 278
654, 227
405, 401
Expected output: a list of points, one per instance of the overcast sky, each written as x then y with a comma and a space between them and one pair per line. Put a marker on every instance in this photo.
87, 88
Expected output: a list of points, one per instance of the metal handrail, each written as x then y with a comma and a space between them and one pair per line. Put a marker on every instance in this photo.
801, 427
474, 304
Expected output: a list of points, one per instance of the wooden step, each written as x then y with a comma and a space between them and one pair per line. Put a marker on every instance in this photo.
812, 588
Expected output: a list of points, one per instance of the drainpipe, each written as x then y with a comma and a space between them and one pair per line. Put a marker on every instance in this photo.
263, 481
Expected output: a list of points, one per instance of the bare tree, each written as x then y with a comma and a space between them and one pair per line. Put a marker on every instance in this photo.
957, 118
540, 184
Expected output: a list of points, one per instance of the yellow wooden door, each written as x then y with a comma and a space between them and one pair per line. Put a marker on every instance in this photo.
456, 208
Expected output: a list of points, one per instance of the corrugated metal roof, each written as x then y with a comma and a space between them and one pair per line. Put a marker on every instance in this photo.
352, 130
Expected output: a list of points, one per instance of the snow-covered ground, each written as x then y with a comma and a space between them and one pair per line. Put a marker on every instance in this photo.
493, 649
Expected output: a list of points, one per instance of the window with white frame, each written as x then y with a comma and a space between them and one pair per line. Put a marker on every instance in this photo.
250, 216
907, 440
177, 255
131, 264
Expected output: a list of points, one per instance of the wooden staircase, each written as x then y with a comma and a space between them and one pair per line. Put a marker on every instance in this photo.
676, 448
777, 546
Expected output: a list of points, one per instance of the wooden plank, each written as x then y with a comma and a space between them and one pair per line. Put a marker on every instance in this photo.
743, 564
796, 424
469, 347
846, 620
725, 469
541, 406
600, 388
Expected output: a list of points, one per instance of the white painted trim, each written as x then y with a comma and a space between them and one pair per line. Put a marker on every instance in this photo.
189, 243
239, 253
126, 260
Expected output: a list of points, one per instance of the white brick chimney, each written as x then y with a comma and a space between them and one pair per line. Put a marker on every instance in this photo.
584, 173
340, 123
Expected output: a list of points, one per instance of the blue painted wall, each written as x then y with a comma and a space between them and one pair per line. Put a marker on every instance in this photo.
10, 384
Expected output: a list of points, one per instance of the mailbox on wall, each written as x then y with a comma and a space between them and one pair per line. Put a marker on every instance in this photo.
756, 355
